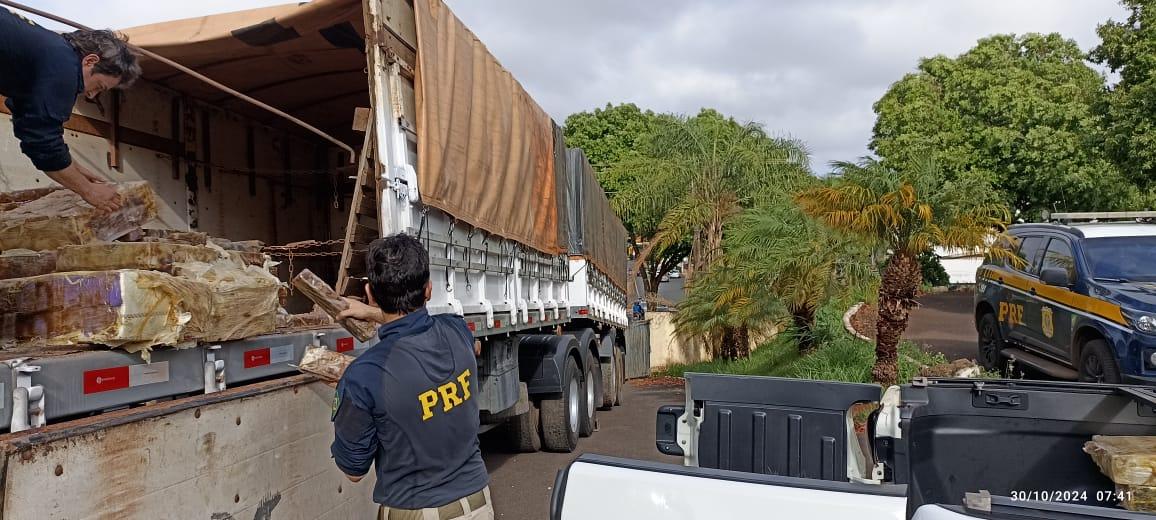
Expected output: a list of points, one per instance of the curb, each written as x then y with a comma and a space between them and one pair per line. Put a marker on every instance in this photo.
847, 322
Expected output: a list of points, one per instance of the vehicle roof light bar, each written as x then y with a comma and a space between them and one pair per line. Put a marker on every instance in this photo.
1097, 215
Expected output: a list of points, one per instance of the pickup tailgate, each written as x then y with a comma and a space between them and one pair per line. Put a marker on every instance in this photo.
609, 488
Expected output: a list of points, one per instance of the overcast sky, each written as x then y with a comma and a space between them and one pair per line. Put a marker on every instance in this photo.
806, 68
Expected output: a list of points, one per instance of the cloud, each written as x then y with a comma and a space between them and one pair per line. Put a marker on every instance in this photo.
809, 69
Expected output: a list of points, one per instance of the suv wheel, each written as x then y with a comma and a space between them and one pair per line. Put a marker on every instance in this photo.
990, 344
1098, 363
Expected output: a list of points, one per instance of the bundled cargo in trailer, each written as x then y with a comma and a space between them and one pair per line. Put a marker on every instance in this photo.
411, 126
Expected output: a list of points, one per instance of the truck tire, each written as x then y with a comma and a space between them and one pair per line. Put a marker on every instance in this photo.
1098, 363
524, 432
592, 396
610, 382
620, 359
560, 416
991, 343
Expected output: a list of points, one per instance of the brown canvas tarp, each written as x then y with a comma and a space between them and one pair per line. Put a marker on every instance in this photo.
305, 58
485, 147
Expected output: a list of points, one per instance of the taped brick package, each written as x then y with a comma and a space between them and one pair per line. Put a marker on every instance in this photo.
62, 218
1130, 462
20, 263
115, 308
155, 256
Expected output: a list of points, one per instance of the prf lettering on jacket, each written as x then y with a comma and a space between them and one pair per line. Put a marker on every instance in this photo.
447, 394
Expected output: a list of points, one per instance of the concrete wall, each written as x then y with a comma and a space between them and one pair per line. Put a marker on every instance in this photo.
666, 348
961, 270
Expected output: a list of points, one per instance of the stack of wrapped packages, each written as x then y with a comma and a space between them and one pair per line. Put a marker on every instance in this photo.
1130, 462
69, 276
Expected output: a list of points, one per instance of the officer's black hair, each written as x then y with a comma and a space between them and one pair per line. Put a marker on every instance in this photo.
398, 271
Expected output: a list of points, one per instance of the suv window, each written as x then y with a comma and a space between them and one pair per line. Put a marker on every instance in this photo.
1029, 254
1059, 256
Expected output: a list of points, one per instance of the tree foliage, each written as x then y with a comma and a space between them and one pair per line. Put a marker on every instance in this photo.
778, 262
1016, 110
699, 172
907, 213
610, 135
1129, 48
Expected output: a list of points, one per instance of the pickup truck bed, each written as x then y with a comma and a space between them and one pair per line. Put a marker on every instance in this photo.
789, 445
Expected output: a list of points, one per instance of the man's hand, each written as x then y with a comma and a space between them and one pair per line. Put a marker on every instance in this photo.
94, 189
361, 311
103, 197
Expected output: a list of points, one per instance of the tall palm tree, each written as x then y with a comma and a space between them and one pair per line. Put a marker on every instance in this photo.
778, 263
700, 172
904, 214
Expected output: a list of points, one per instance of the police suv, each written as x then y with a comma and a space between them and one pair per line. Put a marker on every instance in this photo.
1078, 301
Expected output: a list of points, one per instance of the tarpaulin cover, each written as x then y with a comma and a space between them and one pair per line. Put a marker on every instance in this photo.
304, 58
486, 148
562, 188
596, 232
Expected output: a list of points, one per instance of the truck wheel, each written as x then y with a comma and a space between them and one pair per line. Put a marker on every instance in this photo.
560, 417
609, 382
1098, 363
990, 344
524, 431
592, 395
620, 359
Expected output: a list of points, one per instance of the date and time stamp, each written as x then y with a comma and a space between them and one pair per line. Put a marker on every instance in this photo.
1070, 496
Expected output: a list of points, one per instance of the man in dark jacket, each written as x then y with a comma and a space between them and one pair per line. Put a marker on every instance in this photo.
407, 405
41, 73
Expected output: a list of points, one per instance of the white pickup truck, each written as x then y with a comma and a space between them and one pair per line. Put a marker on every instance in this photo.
756, 447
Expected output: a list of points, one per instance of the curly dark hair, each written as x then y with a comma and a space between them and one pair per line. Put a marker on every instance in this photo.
117, 58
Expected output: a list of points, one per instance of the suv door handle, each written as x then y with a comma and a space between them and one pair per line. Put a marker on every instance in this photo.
1033, 291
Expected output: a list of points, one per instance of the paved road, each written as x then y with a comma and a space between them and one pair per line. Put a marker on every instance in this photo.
521, 483
945, 323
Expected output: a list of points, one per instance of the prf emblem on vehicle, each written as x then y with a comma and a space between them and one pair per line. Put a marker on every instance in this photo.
1046, 321
1012, 313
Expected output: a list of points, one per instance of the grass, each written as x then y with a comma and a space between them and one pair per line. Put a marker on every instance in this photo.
838, 357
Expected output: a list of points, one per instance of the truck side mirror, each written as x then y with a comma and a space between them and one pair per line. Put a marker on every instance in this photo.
1056, 277
666, 430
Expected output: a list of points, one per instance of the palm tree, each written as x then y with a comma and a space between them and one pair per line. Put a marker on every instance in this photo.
904, 214
777, 263
700, 172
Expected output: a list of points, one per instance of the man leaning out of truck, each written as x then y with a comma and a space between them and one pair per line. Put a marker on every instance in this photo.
41, 73
406, 405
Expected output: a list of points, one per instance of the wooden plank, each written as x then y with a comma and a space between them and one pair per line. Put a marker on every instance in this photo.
347, 253
227, 455
329, 301
361, 118
90, 126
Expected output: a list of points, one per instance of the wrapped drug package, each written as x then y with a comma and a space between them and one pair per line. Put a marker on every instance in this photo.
324, 363
62, 218
1130, 462
244, 300
115, 308
154, 256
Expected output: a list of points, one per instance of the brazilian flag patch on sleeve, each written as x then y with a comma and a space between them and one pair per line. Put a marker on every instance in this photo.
336, 404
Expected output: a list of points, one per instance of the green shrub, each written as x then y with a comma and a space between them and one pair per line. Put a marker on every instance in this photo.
838, 356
